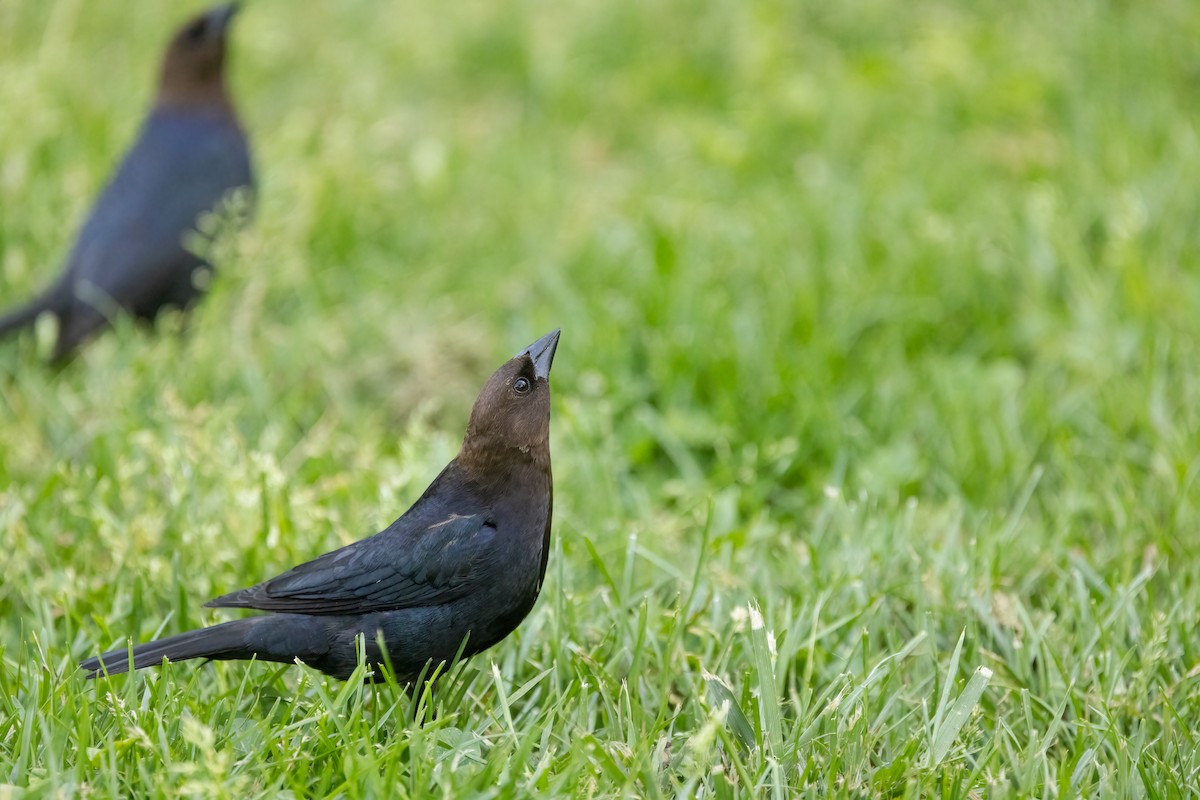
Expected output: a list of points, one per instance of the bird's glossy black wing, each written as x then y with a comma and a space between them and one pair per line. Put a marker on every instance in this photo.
383, 573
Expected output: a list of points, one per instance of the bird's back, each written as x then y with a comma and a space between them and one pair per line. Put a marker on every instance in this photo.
131, 248
130, 254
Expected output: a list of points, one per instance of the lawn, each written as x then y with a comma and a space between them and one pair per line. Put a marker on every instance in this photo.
876, 417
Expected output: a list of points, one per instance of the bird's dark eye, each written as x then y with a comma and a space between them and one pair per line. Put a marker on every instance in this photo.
521, 385
196, 32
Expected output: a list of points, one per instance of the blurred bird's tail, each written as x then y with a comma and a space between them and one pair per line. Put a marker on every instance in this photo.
225, 641
19, 318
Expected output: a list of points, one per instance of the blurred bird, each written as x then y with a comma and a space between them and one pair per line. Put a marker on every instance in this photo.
190, 154
461, 568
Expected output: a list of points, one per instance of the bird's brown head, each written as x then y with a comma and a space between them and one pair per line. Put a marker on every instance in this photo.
194, 67
512, 413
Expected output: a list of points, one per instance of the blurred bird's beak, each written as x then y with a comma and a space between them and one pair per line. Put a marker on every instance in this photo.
542, 353
220, 17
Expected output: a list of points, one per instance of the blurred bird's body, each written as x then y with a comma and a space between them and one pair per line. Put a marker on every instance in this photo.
190, 154
461, 568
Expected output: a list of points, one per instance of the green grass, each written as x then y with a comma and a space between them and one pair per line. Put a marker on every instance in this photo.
880, 374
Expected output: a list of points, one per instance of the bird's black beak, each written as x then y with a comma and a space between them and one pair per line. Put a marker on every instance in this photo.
542, 353
220, 17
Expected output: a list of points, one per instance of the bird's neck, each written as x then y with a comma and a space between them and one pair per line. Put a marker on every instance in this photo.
207, 96
488, 462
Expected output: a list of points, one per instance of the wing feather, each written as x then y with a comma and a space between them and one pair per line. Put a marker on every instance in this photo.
391, 570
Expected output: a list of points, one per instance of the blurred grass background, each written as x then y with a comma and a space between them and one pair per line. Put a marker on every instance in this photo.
883, 317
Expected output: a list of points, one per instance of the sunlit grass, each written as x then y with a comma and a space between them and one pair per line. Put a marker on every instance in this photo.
876, 415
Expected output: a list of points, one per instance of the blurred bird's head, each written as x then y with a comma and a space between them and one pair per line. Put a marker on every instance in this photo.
195, 61
512, 414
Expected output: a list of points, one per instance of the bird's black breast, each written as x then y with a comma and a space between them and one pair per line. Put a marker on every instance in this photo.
510, 575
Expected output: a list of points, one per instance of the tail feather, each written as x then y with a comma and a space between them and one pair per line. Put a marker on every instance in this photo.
228, 640
22, 317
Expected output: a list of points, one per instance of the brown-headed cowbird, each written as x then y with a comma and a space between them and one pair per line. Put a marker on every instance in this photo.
190, 154
463, 565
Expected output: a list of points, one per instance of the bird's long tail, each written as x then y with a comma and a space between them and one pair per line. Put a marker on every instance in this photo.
282, 638
21, 317
229, 640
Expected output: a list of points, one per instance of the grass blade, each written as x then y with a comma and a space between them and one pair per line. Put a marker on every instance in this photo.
945, 734
764, 671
